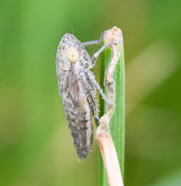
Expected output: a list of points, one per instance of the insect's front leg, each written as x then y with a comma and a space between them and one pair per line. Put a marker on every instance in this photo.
96, 55
95, 42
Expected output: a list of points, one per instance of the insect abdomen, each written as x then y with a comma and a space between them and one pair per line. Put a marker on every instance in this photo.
81, 129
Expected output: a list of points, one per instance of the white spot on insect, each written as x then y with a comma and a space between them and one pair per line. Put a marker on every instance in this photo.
73, 54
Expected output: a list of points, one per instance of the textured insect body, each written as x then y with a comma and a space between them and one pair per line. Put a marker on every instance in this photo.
77, 90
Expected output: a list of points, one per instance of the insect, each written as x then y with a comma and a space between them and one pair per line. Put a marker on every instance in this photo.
77, 87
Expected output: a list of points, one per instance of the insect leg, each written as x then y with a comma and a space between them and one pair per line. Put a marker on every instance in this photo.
96, 55
95, 83
95, 42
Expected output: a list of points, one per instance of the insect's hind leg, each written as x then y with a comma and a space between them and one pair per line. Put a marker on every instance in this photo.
97, 120
95, 83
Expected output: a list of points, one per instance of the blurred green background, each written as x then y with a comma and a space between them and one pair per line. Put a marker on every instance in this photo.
35, 143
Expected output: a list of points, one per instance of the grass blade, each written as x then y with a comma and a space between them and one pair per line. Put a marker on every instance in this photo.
117, 123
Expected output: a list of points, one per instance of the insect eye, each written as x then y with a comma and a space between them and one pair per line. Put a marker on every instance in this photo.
73, 54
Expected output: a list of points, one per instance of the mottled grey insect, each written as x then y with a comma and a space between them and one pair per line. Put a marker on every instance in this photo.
77, 87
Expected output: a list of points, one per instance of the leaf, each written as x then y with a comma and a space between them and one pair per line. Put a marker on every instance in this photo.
117, 123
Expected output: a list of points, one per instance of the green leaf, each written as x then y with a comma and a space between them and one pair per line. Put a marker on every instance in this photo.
117, 123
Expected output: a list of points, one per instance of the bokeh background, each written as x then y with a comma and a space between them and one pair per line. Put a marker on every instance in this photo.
35, 143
